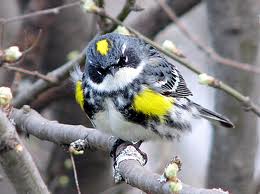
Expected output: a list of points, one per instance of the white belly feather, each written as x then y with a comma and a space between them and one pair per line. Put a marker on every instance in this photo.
112, 122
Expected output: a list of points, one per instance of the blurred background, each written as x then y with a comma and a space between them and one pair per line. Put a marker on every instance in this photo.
212, 157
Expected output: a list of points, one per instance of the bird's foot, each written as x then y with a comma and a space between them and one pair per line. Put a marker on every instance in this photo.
117, 143
124, 150
79, 146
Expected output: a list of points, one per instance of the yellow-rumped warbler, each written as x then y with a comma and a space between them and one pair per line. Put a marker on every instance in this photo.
129, 90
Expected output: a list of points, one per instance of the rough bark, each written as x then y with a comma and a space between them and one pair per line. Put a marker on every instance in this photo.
17, 161
136, 175
233, 24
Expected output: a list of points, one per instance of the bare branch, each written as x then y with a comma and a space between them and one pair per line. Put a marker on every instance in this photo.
17, 162
207, 49
75, 172
33, 73
59, 74
157, 20
54, 11
35, 42
129, 4
33, 123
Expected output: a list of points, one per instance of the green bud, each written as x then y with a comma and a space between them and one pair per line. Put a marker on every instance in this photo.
64, 180
72, 55
12, 54
205, 79
5, 96
170, 46
175, 187
89, 6
171, 171
122, 30
68, 164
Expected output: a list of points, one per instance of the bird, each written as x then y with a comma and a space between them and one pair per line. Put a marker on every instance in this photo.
128, 89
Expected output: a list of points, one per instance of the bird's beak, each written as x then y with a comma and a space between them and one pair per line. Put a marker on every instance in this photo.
113, 70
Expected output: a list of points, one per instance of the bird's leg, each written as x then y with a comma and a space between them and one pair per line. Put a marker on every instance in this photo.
137, 147
117, 143
125, 150
126, 143
139, 143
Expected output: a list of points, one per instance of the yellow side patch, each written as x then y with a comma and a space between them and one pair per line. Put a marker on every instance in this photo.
152, 103
103, 47
79, 94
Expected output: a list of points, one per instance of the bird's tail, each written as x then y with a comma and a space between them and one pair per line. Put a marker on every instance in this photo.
214, 117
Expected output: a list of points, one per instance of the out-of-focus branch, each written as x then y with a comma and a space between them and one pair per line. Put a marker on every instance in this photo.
59, 74
54, 11
129, 4
33, 123
63, 90
207, 49
27, 72
17, 162
157, 20
245, 100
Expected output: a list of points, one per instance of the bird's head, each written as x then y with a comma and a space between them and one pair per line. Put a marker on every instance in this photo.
112, 59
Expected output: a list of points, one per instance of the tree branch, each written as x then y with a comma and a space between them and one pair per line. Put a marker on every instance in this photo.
17, 161
28, 72
129, 4
33, 123
207, 49
55, 11
59, 74
157, 20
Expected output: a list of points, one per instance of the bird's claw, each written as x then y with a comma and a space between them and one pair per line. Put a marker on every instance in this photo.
127, 151
79, 145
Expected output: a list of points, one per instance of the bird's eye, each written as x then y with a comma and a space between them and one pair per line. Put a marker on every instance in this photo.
122, 61
101, 71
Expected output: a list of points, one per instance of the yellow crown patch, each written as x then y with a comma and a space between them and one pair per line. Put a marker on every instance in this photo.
103, 46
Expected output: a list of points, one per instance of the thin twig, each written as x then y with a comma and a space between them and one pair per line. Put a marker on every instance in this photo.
157, 20
222, 86
101, 21
54, 11
16, 61
129, 4
207, 49
126, 10
75, 173
59, 74
33, 73
35, 42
